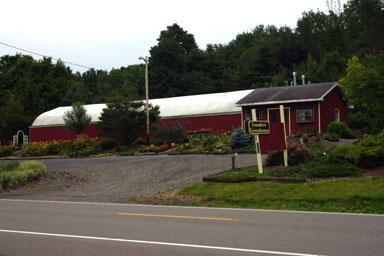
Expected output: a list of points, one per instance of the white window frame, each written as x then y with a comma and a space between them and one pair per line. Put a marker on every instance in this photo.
304, 115
336, 114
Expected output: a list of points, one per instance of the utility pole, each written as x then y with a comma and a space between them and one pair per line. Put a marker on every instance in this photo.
146, 93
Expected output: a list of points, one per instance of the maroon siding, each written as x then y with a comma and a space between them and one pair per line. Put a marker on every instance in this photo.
215, 123
331, 102
293, 127
60, 133
302, 127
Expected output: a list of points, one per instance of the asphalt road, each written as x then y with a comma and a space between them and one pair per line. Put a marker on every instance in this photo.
69, 228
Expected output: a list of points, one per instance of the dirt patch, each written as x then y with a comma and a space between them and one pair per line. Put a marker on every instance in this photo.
50, 181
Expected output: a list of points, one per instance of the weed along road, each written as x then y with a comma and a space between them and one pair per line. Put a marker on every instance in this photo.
31, 227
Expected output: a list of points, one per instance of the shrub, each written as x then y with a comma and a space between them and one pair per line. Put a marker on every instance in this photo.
296, 154
327, 170
169, 133
53, 148
128, 153
323, 169
35, 148
15, 174
337, 128
337, 154
369, 153
82, 141
107, 144
274, 158
209, 143
241, 140
331, 136
140, 141
6, 150
199, 132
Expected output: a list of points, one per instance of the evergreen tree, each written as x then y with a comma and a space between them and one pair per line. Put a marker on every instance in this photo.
77, 118
240, 140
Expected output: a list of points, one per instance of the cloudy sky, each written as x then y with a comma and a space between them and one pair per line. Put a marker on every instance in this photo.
114, 33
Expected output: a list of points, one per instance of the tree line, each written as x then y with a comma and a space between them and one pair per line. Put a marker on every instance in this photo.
321, 47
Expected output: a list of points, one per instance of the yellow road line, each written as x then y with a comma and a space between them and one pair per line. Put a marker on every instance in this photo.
173, 216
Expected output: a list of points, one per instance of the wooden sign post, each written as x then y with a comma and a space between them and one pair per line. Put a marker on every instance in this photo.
257, 145
282, 118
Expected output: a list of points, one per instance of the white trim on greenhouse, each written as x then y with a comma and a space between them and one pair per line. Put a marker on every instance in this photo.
176, 107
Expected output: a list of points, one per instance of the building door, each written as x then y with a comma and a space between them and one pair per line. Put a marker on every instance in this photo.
275, 139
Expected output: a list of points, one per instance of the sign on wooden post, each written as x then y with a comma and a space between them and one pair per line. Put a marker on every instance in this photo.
258, 127
257, 145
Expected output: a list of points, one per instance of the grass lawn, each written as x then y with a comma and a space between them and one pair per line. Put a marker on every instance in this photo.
355, 195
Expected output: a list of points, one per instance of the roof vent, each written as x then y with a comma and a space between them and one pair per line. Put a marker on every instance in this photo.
294, 79
303, 79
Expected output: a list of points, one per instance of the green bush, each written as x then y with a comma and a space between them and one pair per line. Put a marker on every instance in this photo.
339, 129
327, 170
339, 154
53, 148
209, 143
107, 144
332, 136
128, 153
324, 169
296, 154
169, 133
6, 150
94, 149
369, 153
241, 140
15, 174
274, 158
241, 176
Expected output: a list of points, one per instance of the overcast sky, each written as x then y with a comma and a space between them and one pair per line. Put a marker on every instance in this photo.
114, 33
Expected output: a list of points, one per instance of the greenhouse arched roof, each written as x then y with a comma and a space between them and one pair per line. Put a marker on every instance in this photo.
175, 107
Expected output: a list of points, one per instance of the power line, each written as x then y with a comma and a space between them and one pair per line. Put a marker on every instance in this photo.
42, 55
182, 77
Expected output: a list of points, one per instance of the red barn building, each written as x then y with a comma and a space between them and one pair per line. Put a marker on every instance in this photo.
215, 111
306, 107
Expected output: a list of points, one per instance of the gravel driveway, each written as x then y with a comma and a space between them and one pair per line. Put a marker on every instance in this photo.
117, 179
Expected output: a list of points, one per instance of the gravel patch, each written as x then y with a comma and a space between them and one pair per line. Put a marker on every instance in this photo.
118, 179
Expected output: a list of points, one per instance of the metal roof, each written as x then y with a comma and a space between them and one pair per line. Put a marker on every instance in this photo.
185, 106
288, 94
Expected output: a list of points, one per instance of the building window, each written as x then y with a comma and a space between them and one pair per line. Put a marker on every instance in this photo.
337, 114
248, 115
258, 114
304, 115
273, 116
